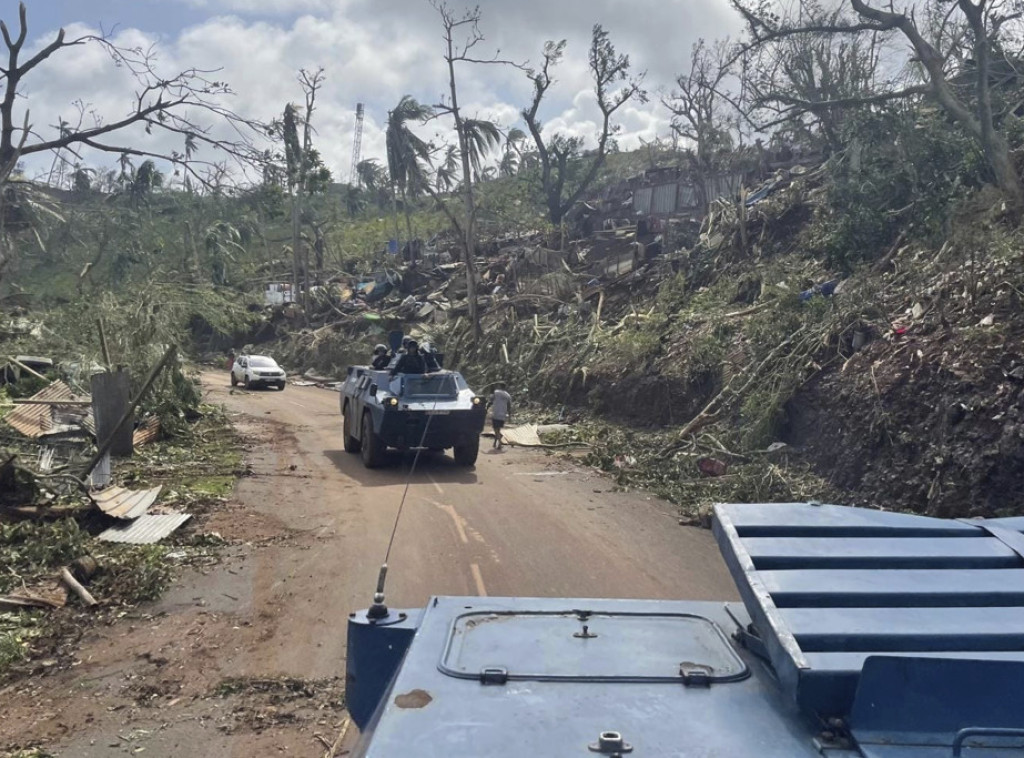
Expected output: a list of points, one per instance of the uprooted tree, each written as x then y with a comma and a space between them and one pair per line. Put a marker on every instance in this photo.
565, 174
954, 52
161, 105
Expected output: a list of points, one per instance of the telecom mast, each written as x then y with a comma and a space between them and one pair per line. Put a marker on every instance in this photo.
357, 145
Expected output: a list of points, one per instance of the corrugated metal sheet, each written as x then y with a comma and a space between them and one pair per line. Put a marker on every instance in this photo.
828, 586
642, 200
618, 264
125, 504
663, 199
687, 197
145, 530
100, 475
37, 420
724, 185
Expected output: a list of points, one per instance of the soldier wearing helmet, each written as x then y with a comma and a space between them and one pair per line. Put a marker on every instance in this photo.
411, 362
381, 359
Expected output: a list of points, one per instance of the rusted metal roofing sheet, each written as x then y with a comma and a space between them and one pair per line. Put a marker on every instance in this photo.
37, 420
148, 431
125, 504
146, 529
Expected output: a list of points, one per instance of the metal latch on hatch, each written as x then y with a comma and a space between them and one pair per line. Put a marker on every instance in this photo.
695, 674
494, 675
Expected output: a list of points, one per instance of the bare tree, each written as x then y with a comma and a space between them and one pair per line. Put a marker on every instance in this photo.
303, 168
559, 152
700, 112
462, 35
161, 103
988, 25
169, 104
811, 82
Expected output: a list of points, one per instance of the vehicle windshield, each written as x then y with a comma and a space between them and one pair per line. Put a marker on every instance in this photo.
258, 361
433, 386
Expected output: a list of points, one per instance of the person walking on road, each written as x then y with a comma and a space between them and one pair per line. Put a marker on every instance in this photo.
501, 409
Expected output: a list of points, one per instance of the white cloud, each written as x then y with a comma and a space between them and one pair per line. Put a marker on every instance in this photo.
374, 52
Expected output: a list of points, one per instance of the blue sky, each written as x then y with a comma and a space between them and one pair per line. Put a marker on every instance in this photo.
165, 16
373, 51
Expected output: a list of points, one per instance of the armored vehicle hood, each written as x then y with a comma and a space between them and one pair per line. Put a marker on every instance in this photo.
861, 634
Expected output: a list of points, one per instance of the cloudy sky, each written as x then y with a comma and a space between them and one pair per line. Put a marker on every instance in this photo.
373, 51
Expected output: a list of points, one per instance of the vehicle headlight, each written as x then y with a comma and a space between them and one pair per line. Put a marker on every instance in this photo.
391, 401
476, 400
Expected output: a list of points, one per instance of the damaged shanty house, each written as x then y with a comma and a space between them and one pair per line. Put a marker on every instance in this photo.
58, 445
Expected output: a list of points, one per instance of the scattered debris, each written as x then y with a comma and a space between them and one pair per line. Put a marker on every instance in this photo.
53, 595
52, 410
524, 436
529, 435
711, 467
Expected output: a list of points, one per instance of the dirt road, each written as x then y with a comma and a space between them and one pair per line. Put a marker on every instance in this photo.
247, 657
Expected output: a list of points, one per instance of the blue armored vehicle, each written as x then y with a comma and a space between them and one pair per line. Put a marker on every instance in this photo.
432, 411
861, 634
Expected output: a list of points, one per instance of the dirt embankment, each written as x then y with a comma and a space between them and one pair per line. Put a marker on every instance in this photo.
932, 423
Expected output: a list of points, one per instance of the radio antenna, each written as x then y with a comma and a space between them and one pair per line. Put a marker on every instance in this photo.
378, 609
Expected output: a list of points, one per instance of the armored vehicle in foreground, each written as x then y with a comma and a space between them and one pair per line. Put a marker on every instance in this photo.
433, 411
861, 634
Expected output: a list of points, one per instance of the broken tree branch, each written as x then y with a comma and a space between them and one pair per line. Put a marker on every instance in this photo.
22, 366
77, 588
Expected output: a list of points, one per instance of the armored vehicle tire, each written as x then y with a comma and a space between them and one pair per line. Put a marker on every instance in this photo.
280, 386
372, 447
351, 442
465, 455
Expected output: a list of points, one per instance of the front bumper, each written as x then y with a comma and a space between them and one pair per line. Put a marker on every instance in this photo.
404, 429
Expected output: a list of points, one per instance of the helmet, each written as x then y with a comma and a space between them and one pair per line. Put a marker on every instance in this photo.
380, 349
411, 345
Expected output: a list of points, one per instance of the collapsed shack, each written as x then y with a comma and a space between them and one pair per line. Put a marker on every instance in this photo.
89, 553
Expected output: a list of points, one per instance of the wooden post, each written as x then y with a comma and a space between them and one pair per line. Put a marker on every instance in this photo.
103, 345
